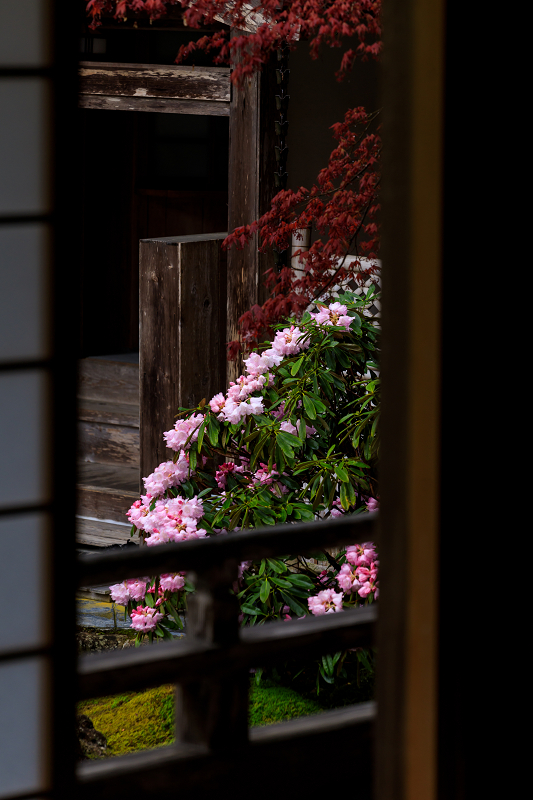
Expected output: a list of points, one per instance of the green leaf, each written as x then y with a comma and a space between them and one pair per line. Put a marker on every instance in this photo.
277, 566
246, 609
296, 366
294, 605
341, 473
309, 407
201, 433
192, 459
281, 582
213, 430
265, 591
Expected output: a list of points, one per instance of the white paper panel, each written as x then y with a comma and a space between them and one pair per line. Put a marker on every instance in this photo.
24, 431
23, 718
24, 296
24, 141
23, 578
24, 39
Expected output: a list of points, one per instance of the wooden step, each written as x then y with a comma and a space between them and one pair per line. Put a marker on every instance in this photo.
106, 492
101, 533
108, 444
108, 380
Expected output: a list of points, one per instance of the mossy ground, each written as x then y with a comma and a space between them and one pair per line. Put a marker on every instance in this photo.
143, 720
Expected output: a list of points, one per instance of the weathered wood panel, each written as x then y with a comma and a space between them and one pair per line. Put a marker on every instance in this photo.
182, 332
108, 443
101, 534
108, 476
147, 80
251, 188
169, 105
108, 381
102, 503
109, 413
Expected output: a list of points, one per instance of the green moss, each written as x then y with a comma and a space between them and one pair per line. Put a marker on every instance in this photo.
142, 720
270, 703
134, 721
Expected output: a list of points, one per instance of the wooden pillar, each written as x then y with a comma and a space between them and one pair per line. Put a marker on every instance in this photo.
413, 103
182, 323
251, 188
214, 711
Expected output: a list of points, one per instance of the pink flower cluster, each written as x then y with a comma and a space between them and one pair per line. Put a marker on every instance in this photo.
336, 314
172, 582
132, 589
267, 478
166, 475
184, 432
145, 619
238, 402
360, 573
325, 602
225, 470
173, 520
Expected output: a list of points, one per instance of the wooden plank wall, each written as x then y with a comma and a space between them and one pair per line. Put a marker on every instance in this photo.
182, 300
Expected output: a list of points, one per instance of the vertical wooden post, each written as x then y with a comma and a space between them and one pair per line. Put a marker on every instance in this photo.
251, 188
182, 323
214, 711
413, 102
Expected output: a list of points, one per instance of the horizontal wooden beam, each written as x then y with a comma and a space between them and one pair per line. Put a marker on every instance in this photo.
169, 105
248, 545
148, 87
299, 756
189, 660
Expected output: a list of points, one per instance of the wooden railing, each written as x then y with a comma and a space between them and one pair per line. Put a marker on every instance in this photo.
211, 667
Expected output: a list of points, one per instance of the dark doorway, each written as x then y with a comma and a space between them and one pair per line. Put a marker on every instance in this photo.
143, 175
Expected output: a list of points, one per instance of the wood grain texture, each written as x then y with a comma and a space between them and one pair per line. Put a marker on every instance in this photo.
249, 545
251, 182
148, 80
103, 503
108, 443
110, 476
261, 645
101, 534
182, 324
126, 414
108, 381
168, 105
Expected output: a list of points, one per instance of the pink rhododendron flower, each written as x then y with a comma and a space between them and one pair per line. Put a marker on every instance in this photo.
139, 510
172, 582
183, 429
225, 470
289, 341
217, 403
372, 504
120, 593
325, 602
132, 589
348, 579
166, 475
361, 554
336, 314
145, 618
288, 427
